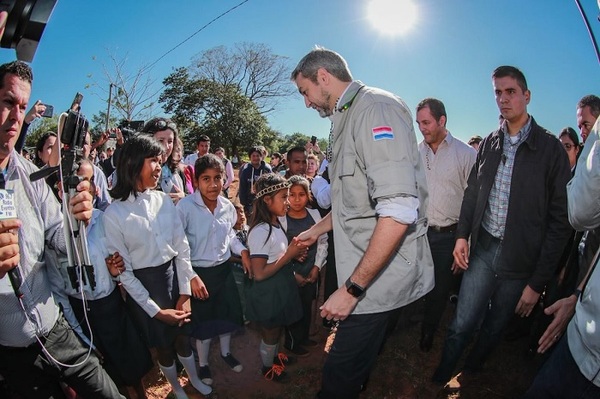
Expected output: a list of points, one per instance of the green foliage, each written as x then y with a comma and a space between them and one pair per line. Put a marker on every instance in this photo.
38, 128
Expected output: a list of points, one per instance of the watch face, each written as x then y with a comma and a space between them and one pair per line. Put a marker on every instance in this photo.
355, 291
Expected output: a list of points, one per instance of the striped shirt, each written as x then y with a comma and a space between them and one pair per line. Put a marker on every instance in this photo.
41, 220
494, 217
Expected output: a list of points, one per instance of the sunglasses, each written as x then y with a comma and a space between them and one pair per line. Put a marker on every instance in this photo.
163, 124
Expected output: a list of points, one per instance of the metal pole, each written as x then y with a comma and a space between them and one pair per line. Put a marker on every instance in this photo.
108, 108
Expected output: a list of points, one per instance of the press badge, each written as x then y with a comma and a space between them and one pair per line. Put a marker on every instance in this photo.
7, 205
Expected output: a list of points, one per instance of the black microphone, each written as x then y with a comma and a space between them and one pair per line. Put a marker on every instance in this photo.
14, 274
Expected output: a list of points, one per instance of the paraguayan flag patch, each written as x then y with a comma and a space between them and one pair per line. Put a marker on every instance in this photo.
383, 133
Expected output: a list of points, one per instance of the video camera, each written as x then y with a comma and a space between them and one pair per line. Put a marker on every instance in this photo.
25, 25
129, 128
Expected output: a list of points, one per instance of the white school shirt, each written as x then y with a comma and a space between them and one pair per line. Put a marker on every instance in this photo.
147, 232
271, 249
211, 236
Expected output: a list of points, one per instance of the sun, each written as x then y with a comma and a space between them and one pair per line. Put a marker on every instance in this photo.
392, 17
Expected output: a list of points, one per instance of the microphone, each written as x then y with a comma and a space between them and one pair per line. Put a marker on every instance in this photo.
7, 211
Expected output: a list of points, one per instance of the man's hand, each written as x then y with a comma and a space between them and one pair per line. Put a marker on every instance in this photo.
339, 305
306, 238
81, 203
199, 290
101, 140
461, 253
562, 310
9, 245
528, 300
35, 112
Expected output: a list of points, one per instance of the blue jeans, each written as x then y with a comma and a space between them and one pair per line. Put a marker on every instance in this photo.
560, 377
483, 294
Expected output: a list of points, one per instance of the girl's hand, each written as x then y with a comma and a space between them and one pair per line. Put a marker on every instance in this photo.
300, 280
173, 317
246, 264
199, 290
181, 303
313, 275
177, 195
115, 264
296, 249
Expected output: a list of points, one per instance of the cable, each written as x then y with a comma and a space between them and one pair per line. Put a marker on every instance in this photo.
195, 33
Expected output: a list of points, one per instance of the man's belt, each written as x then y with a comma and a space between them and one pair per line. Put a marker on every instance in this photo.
444, 229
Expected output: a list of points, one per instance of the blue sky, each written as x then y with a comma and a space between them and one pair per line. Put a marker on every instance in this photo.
449, 54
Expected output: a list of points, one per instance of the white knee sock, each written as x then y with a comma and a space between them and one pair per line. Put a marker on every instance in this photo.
190, 368
171, 376
267, 353
203, 349
225, 341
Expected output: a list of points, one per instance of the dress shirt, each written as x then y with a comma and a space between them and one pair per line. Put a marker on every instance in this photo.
42, 221
211, 236
146, 231
447, 171
228, 173
494, 218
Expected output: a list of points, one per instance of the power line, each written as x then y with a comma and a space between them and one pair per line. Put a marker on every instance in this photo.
195, 33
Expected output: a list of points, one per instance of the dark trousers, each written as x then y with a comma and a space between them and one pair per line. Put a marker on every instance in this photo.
442, 245
560, 378
298, 332
33, 375
353, 355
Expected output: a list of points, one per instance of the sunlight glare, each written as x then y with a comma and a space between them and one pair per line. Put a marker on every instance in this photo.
392, 17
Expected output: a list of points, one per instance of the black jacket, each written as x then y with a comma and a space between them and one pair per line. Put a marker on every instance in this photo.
537, 227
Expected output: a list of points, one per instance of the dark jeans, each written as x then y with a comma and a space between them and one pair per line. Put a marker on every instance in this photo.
442, 245
560, 378
352, 355
480, 287
298, 332
33, 375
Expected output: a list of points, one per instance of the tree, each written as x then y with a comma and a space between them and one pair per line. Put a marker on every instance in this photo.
203, 106
258, 74
131, 89
38, 128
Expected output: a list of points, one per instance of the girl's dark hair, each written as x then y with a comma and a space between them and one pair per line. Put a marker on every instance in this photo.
569, 131
130, 163
39, 146
260, 211
208, 161
170, 162
301, 181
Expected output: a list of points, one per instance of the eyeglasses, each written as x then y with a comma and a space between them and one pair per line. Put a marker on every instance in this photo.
568, 146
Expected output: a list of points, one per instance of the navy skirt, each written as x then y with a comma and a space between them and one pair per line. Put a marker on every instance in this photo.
222, 311
126, 357
161, 283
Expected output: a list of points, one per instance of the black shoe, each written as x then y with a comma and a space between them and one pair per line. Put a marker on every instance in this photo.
298, 351
233, 363
426, 341
275, 373
204, 375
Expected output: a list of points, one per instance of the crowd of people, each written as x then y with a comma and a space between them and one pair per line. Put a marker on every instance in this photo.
497, 224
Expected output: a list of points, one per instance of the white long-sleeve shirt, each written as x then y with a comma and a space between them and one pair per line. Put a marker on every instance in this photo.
211, 236
147, 232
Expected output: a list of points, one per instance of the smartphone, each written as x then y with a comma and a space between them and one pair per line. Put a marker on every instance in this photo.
48, 112
313, 140
76, 104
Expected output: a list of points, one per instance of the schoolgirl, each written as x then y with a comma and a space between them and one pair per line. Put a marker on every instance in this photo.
272, 297
208, 219
299, 218
142, 225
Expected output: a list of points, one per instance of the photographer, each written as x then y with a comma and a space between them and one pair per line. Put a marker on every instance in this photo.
36, 343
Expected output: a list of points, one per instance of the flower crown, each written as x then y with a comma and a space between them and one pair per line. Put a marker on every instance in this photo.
273, 188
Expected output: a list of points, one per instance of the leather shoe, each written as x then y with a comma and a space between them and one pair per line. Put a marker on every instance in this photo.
426, 341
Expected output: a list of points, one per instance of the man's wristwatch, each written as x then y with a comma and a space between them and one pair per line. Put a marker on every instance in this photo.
354, 289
